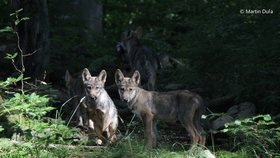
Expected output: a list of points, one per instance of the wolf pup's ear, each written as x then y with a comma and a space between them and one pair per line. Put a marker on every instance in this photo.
136, 77
139, 32
126, 35
102, 76
118, 76
86, 75
67, 77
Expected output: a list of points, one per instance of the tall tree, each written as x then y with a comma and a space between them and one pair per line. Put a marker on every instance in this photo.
92, 13
75, 33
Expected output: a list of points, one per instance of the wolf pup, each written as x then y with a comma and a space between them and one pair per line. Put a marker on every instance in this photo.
75, 89
101, 110
183, 106
136, 56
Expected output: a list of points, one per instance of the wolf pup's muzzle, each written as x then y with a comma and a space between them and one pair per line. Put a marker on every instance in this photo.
93, 98
125, 100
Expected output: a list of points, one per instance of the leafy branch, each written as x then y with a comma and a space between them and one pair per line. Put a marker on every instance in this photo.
10, 56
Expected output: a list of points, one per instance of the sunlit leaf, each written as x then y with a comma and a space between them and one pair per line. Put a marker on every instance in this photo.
7, 29
225, 130
24, 18
17, 21
19, 77
237, 122
15, 13
11, 55
267, 117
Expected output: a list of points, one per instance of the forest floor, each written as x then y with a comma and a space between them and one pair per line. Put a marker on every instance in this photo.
173, 143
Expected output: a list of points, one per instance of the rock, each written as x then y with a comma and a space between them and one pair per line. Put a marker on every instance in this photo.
208, 154
220, 122
243, 110
240, 111
198, 151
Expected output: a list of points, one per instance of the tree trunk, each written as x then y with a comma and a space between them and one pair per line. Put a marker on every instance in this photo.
34, 36
92, 14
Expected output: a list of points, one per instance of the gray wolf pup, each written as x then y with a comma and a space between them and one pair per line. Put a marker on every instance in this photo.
183, 106
75, 89
136, 56
101, 110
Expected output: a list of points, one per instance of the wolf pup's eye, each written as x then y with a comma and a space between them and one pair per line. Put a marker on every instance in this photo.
89, 87
97, 87
130, 89
122, 89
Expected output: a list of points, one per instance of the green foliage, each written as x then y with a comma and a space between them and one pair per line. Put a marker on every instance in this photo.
258, 135
6, 29
9, 150
9, 81
227, 154
28, 105
16, 15
46, 132
27, 111
16, 21
11, 56
134, 147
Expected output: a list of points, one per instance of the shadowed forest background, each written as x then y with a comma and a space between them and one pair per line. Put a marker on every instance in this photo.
228, 57
226, 53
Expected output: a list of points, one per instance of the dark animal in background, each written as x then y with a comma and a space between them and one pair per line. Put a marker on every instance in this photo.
167, 62
137, 56
101, 110
76, 90
182, 105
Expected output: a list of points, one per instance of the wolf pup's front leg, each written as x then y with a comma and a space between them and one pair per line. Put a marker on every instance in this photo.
148, 129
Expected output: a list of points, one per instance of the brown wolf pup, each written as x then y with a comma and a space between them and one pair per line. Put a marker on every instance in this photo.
75, 89
137, 56
101, 110
183, 106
